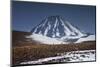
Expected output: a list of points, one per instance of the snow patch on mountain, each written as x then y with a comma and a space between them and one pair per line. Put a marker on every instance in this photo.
89, 38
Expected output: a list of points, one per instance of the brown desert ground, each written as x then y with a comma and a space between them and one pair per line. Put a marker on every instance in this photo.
23, 51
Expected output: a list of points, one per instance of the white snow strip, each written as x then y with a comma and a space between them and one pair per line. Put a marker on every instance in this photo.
55, 23
44, 23
40, 32
53, 35
67, 31
73, 56
46, 31
41, 60
54, 28
49, 26
69, 37
35, 30
57, 34
89, 38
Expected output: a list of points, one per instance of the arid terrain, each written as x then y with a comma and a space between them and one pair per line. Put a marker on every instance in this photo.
24, 50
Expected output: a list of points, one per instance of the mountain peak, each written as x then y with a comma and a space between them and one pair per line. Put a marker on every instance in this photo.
57, 30
56, 27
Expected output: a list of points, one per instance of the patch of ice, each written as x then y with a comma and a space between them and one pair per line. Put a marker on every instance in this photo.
46, 31
57, 34
73, 56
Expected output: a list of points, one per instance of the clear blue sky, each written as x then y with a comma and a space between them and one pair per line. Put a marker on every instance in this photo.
26, 15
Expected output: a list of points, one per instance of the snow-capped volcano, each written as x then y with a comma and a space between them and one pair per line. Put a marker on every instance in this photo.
58, 29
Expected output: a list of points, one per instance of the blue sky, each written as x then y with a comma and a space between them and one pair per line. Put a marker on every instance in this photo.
26, 15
